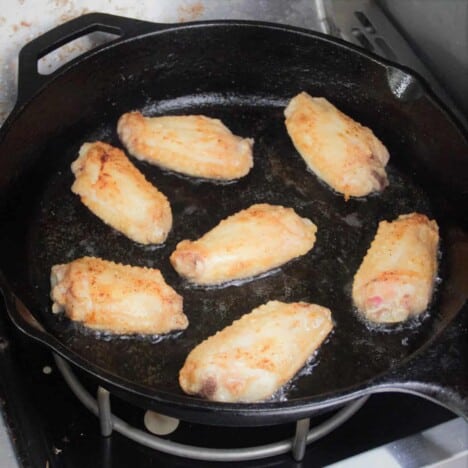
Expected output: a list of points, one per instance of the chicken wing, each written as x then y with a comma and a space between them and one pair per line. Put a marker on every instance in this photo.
245, 244
256, 355
340, 151
118, 193
116, 298
396, 277
194, 145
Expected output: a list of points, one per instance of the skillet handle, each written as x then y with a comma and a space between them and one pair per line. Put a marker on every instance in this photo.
30, 80
440, 373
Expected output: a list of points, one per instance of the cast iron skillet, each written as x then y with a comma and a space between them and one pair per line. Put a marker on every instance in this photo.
243, 73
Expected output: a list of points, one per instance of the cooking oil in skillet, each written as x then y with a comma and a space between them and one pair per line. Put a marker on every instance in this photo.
106, 335
64, 229
312, 362
208, 100
237, 282
283, 393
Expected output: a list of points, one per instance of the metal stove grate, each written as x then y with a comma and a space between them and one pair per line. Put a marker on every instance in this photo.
101, 407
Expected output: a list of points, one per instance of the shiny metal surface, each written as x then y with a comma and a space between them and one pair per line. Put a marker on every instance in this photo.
437, 31
365, 23
444, 446
299, 443
104, 410
7, 454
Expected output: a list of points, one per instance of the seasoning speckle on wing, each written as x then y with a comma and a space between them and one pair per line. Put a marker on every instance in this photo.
194, 145
117, 298
255, 356
250, 242
396, 277
343, 153
118, 193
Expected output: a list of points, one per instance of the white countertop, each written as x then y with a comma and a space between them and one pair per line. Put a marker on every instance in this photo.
23, 20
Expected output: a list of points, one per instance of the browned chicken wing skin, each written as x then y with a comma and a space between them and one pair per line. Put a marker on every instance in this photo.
248, 243
194, 145
343, 153
118, 193
256, 355
396, 278
117, 298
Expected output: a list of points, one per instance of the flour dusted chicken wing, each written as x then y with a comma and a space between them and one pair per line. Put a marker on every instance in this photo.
190, 144
118, 193
256, 355
117, 298
245, 244
396, 277
343, 153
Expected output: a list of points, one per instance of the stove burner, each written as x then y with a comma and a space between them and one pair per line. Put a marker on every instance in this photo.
101, 407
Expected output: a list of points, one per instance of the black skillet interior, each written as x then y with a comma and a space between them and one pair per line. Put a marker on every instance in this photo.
243, 74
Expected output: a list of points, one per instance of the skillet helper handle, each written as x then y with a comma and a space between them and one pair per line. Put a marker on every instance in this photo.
17, 311
30, 80
24, 320
439, 373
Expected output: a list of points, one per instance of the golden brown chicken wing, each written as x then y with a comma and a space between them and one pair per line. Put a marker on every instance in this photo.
190, 144
256, 355
396, 277
118, 193
245, 244
343, 153
116, 298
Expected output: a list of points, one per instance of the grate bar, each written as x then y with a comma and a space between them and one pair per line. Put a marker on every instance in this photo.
104, 410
